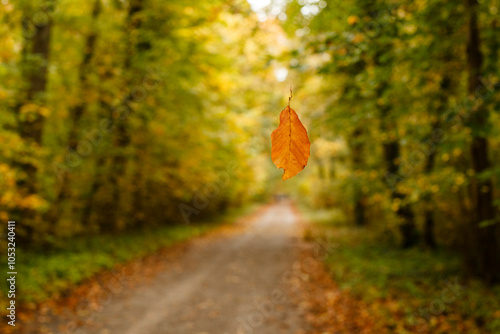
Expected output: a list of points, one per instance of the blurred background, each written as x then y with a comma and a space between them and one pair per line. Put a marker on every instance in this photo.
129, 119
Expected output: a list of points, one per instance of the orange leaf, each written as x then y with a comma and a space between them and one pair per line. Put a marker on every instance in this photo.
290, 144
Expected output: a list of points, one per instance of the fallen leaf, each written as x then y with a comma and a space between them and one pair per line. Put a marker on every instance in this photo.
290, 144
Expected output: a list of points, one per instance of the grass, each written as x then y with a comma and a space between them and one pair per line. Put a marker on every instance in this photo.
44, 275
412, 284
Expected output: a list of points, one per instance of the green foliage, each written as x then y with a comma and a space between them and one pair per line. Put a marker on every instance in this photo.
48, 274
393, 117
145, 108
403, 282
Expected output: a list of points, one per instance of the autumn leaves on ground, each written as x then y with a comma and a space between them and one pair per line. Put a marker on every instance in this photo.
164, 179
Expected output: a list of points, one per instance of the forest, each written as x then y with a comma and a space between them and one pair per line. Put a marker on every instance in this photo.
128, 127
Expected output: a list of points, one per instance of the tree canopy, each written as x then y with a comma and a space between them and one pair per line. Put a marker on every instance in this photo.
130, 114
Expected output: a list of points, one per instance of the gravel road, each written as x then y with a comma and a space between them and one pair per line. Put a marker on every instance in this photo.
231, 284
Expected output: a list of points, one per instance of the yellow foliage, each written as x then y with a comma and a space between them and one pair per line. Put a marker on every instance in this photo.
352, 20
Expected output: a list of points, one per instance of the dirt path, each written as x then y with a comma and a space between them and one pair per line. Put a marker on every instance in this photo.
233, 284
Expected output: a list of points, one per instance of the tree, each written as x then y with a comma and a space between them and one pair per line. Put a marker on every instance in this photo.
76, 113
486, 227
37, 31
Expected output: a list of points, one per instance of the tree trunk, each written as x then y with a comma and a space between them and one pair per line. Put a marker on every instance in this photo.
97, 183
138, 215
122, 136
76, 114
357, 161
90, 204
487, 263
429, 238
35, 62
391, 149
404, 211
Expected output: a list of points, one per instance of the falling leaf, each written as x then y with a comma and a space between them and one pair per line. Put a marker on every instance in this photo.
290, 144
